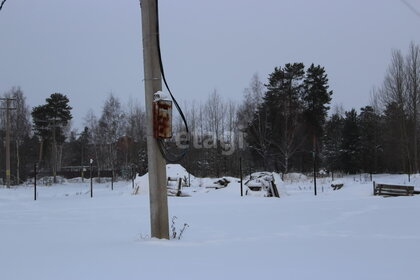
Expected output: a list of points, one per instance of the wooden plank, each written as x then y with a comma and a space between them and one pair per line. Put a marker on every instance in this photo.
374, 188
179, 187
275, 190
394, 186
173, 179
394, 190
393, 194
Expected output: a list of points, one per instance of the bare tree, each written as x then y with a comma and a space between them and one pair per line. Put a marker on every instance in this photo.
20, 123
395, 92
375, 100
413, 90
112, 125
136, 130
253, 97
214, 110
253, 118
260, 132
136, 121
95, 137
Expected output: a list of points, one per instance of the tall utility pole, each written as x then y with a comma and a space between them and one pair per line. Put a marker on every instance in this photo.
8, 108
153, 83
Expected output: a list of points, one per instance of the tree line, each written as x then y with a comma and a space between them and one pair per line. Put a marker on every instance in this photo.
283, 125
287, 128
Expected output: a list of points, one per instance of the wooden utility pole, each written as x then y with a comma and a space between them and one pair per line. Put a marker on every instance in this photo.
8, 108
153, 83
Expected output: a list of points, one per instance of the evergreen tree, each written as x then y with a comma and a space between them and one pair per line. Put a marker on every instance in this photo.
49, 121
52, 117
333, 142
316, 98
369, 139
284, 106
394, 147
84, 146
350, 149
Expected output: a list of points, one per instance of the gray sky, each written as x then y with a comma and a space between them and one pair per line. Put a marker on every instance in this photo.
87, 49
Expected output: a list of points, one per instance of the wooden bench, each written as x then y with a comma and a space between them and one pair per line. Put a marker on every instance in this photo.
336, 186
393, 190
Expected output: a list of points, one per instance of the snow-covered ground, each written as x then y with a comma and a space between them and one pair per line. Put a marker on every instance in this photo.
343, 234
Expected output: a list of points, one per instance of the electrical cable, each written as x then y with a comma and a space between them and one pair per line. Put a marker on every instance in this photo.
411, 7
169, 156
2, 3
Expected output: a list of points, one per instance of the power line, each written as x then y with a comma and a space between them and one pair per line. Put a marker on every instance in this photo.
167, 154
411, 7
8, 130
2, 3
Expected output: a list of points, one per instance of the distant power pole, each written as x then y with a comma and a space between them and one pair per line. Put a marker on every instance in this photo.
153, 83
8, 109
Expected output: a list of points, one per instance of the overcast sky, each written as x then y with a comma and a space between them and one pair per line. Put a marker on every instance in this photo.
87, 49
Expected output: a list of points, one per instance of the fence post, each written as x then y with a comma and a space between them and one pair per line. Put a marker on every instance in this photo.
35, 181
112, 180
133, 174
240, 171
91, 179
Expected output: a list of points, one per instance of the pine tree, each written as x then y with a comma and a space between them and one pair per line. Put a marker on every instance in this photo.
49, 121
333, 142
283, 104
316, 98
54, 115
369, 139
350, 149
394, 148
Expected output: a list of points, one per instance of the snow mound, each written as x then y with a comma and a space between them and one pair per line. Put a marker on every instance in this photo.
294, 177
176, 170
76, 180
172, 170
337, 182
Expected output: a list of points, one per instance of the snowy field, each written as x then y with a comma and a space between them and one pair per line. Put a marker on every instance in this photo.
343, 234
